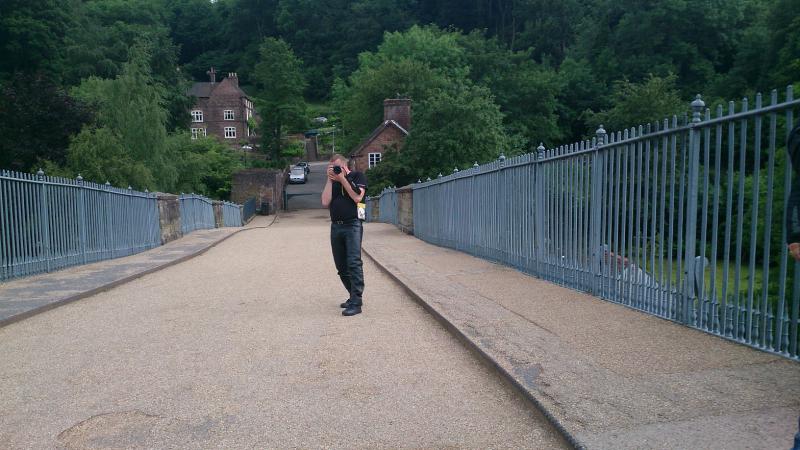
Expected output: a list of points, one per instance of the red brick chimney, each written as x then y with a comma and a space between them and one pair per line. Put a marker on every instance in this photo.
399, 110
234, 78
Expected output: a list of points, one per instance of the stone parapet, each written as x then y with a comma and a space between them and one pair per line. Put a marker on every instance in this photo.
169, 211
405, 209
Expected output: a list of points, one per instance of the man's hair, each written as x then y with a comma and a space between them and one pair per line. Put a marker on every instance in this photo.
338, 157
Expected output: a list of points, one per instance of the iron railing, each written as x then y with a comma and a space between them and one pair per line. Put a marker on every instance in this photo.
48, 223
387, 206
683, 219
248, 209
197, 213
231, 214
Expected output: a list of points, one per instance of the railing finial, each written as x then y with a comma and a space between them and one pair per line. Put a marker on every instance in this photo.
440, 175
476, 165
540, 150
697, 108
40, 174
502, 157
429, 179
601, 135
79, 179
455, 170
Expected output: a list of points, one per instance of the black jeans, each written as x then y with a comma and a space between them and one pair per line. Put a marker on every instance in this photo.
346, 246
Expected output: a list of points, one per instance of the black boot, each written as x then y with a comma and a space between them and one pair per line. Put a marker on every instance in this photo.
352, 310
346, 304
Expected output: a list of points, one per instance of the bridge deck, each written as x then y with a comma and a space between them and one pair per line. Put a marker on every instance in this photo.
244, 347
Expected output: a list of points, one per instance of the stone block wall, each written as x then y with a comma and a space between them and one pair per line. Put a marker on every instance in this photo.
266, 185
169, 211
405, 209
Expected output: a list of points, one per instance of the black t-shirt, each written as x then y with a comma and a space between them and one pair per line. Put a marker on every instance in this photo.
343, 207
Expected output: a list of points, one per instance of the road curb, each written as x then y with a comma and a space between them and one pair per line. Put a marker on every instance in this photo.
527, 394
108, 286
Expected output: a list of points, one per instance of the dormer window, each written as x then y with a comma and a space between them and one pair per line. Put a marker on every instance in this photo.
197, 115
228, 114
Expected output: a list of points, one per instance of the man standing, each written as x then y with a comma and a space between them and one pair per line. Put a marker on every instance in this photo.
343, 192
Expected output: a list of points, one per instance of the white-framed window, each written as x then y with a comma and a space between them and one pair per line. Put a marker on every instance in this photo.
197, 115
230, 132
198, 132
228, 114
374, 159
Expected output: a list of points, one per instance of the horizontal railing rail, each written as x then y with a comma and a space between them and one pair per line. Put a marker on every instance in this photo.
681, 219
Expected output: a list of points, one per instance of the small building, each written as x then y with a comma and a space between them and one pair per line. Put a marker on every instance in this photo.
390, 133
224, 110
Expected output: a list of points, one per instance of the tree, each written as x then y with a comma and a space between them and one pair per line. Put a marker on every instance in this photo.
637, 104
280, 85
37, 120
32, 35
130, 108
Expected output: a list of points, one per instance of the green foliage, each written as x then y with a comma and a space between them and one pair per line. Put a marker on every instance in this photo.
639, 103
37, 120
204, 165
279, 79
131, 107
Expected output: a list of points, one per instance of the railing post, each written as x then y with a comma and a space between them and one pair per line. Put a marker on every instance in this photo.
110, 218
82, 217
596, 202
687, 311
538, 220
44, 224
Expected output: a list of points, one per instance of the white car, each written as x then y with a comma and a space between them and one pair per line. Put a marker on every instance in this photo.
297, 175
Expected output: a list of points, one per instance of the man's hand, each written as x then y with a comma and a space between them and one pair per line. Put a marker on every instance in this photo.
794, 250
341, 177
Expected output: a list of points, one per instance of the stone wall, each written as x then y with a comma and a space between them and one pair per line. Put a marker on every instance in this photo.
266, 185
169, 211
405, 209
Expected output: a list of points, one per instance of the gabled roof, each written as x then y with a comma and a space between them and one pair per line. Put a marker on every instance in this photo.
377, 132
225, 87
202, 89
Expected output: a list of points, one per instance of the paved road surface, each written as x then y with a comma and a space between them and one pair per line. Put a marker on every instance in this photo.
306, 196
245, 347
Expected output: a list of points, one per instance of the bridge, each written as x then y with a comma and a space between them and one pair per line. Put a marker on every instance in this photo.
539, 301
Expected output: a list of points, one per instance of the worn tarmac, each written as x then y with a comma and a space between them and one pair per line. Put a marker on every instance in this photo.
614, 378
245, 347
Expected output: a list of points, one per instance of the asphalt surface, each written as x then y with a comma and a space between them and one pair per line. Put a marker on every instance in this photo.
614, 378
307, 196
245, 347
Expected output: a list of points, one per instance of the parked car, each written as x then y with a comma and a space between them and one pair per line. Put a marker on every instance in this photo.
297, 175
305, 165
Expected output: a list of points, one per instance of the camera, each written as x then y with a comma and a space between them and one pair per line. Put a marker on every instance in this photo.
337, 169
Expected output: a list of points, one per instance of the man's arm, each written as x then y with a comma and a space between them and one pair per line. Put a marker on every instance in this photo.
352, 193
327, 192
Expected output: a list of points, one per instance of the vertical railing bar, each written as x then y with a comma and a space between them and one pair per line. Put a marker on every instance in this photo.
787, 183
754, 223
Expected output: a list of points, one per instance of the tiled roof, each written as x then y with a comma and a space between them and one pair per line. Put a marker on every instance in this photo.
377, 131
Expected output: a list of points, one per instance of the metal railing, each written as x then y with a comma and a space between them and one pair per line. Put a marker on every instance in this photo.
48, 223
197, 213
248, 209
231, 214
387, 206
683, 219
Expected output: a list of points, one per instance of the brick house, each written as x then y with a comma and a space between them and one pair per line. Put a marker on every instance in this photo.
391, 132
223, 110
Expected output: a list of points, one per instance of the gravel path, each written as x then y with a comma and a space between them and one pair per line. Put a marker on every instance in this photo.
245, 347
